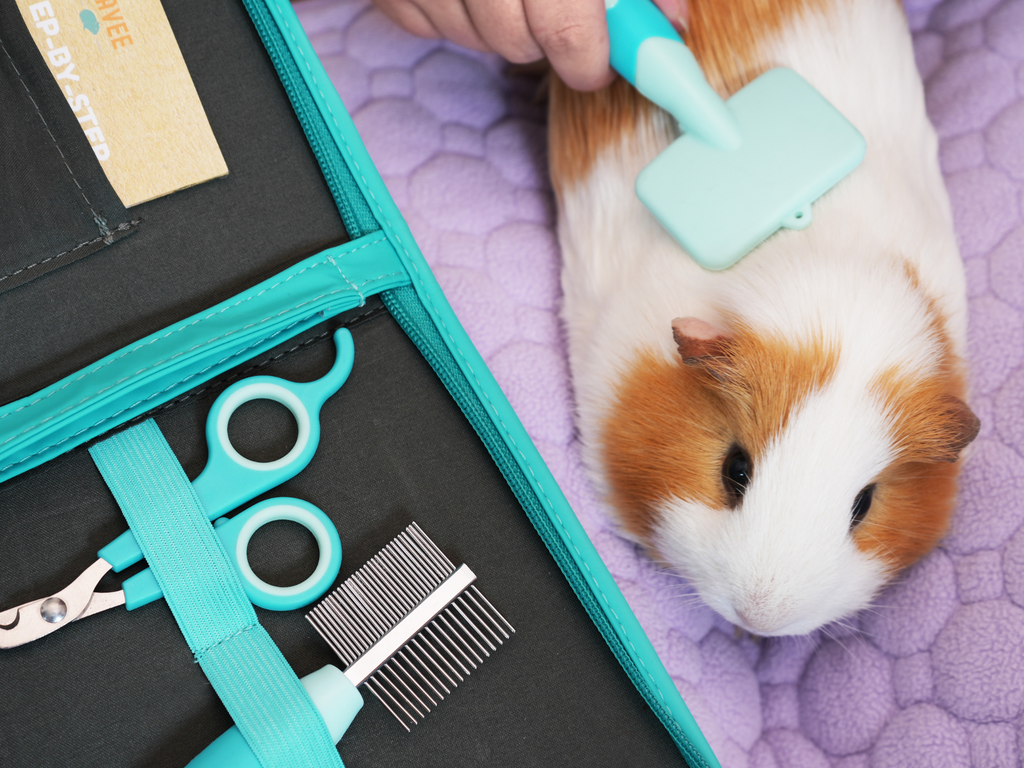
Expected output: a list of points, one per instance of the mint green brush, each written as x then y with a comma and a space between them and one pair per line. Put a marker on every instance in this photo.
743, 168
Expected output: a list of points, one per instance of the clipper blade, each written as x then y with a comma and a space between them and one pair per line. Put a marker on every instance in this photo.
410, 625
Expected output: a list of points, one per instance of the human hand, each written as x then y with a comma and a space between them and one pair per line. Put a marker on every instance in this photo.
571, 34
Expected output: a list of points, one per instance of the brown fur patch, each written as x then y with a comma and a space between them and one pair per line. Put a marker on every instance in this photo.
726, 38
916, 495
910, 512
581, 125
673, 424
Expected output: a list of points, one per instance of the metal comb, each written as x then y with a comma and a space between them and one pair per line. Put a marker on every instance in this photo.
410, 625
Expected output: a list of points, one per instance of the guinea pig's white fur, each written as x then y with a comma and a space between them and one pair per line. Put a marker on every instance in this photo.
832, 356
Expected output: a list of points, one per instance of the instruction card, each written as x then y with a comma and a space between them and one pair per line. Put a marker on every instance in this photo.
108, 57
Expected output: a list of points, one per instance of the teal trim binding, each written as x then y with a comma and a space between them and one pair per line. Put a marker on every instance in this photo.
170, 362
258, 687
425, 314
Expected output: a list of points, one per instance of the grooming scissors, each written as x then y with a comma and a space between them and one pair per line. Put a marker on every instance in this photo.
228, 481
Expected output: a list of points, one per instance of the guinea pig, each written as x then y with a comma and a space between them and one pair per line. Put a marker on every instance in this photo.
786, 434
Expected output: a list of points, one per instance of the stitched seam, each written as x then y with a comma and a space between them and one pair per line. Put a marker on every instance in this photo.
425, 295
161, 362
154, 395
201, 654
105, 238
101, 223
362, 299
185, 327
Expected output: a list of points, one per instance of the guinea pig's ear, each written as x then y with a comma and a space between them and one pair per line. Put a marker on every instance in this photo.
960, 427
702, 345
943, 430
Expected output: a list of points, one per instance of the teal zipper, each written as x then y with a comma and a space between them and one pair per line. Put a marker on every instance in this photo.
355, 213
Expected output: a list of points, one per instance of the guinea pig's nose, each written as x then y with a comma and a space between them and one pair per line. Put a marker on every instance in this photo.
758, 624
746, 621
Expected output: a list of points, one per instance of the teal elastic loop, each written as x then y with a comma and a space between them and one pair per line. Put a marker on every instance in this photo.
247, 670
235, 534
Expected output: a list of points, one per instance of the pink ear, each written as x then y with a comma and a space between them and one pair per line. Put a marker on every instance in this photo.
694, 328
698, 340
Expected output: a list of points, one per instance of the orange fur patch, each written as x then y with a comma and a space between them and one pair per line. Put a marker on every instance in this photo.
764, 379
672, 424
910, 512
726, 38
916, 495
582, 125
666, 438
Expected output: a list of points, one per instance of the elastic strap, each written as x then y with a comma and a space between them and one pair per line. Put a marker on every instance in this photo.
247, 670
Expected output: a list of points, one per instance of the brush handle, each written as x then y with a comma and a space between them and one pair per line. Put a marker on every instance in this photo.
648, 52
335, 698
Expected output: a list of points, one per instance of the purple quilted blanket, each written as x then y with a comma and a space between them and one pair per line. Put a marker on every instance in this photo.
933, 676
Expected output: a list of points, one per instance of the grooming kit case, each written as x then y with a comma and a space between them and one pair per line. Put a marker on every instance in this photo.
111, 317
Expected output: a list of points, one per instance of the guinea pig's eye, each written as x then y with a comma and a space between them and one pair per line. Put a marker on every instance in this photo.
736, 470
861, 505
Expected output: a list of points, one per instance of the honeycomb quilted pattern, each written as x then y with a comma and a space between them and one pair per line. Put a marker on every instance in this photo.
934, 674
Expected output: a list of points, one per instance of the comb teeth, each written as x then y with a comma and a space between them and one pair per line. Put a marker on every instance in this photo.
410, 625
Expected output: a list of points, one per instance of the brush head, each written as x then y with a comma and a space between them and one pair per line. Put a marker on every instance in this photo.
410, 625
720, 205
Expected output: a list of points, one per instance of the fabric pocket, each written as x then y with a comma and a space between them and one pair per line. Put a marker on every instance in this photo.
56, 204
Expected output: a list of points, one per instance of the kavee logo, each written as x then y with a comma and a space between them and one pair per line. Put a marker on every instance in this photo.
89, 21
112, 19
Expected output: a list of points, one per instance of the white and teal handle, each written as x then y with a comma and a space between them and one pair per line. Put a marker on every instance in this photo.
229, 479
648, 52
335, 698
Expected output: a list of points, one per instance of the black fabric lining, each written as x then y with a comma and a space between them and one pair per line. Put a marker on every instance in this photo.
355, 211
101, 224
